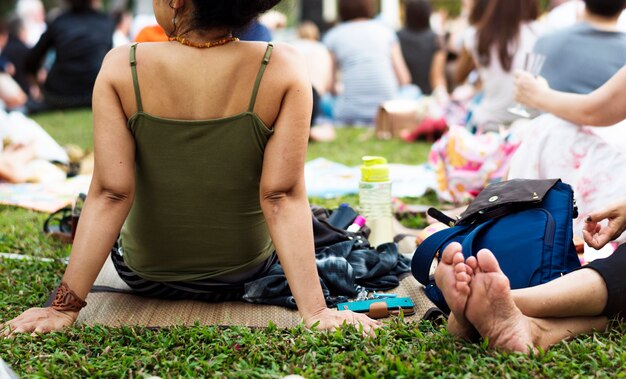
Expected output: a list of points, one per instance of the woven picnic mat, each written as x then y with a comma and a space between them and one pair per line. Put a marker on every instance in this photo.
116, 309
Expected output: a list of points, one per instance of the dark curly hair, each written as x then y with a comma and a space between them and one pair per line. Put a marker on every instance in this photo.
605, 8
232, 14
417, 14
80, 5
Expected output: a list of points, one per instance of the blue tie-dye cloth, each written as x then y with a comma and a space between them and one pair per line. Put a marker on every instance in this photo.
345, 269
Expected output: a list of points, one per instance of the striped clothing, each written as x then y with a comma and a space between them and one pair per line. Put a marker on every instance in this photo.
228, 289
362, 50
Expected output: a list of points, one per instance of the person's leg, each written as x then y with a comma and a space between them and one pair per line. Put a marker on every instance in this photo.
580, 293
13, 161
490, 308
453, 277
598, 288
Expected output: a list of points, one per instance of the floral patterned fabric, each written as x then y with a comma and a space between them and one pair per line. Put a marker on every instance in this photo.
465, 163
594, 166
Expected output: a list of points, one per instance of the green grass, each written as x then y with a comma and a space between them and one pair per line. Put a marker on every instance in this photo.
399, 349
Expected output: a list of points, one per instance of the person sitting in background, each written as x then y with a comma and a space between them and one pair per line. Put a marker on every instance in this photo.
254, 31
369, 57
422, 49
583, 57
568, 142
33, 14
498, 44
320, 67
580, 59
11, 95
482, 302
16, 51
14, 160
151, 33
465, 63
80, 38
123, 21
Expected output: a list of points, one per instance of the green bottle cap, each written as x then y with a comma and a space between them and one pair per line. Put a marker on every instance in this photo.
374, 169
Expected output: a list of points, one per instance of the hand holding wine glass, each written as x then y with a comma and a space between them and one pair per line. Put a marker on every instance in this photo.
529, 89
527, 83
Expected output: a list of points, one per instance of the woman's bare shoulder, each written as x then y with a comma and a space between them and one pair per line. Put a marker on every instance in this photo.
288, 62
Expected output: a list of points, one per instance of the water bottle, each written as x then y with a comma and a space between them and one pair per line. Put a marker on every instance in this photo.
77, 208
375, 199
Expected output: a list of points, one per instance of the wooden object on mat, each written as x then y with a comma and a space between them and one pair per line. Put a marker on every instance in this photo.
397, 116
118, 309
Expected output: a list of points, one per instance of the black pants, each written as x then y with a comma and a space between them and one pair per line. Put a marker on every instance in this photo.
613, 271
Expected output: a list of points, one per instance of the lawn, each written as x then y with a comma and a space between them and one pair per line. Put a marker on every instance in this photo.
398, 350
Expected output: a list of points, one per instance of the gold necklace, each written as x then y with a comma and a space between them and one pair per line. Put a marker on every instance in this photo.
205, 45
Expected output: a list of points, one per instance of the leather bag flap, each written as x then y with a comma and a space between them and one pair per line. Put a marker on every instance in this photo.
504, 196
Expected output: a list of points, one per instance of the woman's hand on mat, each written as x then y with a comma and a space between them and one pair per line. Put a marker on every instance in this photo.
37, 321
597, 235
530, 89
331, 319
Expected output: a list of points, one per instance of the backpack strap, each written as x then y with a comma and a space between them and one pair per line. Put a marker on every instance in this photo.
133, 70
468, 241
257, 82
426, 251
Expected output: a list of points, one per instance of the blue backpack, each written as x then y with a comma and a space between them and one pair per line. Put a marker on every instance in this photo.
527, 224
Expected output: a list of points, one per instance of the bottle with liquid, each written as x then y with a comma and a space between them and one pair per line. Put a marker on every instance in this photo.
375, 199
77, 208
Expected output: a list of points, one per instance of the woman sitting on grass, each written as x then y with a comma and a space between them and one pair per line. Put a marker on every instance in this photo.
200, 145
479, 294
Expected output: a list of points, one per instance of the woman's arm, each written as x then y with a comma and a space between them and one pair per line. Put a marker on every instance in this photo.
284, 200
464, 66
438, 75
605, 106
108, 201
333, 74
399, 65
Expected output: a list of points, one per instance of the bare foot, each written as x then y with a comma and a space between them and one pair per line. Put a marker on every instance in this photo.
13, 160
490, 307
453, 278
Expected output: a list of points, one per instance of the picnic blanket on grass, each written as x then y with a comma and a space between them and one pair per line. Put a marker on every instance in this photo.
328, 179
107, 307
44, 197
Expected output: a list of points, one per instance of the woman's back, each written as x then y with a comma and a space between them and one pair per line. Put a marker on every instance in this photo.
363, 51
496, 81
199, 157
184, 83
418, 49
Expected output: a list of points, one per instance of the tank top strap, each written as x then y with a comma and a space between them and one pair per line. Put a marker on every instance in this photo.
133, 70
257, 82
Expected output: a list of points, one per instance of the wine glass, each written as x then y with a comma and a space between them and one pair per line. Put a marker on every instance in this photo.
533, 63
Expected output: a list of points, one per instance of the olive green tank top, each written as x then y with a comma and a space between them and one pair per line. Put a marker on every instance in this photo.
196, 212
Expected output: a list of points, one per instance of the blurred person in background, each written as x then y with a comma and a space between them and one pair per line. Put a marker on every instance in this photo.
499, 43
423, 49
255, 31
465, 62
151, 33
33, 13
320, 66
16, 51
80, 37
123, 20
368, 56
11, 95
581, 58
